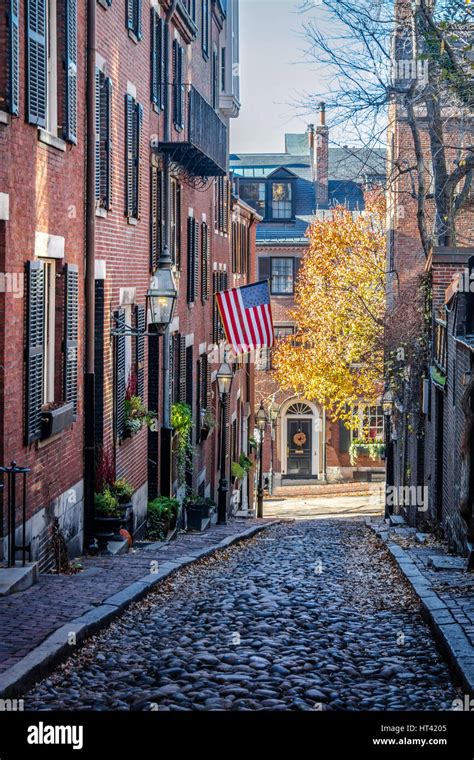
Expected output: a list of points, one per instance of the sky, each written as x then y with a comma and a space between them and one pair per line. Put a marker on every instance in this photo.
274, 75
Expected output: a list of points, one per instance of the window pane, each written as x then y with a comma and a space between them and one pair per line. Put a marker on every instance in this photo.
253, 193
281, 200
282, 275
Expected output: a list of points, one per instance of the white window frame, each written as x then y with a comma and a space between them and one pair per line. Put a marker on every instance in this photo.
49, 345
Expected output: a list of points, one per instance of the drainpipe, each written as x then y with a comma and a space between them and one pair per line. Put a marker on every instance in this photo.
166, 430
89, 379
325, 475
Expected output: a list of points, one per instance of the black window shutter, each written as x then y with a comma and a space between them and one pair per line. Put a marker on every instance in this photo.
181, 85
108, 142
13, 57
204, 262
138, 18
34, 350
71, 333
189, 398
129, 155
175, 70
98, 151
182, 370
195, 260
344, 438
155, 57
199, 406
120, 379
177, 250
190, 262
70, 99
296, 268
136, 158
215, 311
36, 62
264, 268
172, 368
140, 319
154, 219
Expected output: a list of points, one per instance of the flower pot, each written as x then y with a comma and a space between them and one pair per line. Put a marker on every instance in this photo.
197, 516
107, 528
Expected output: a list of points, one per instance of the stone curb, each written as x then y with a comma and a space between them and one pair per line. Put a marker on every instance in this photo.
57, 646
449, 635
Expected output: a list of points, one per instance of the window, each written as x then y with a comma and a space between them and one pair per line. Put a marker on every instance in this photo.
371, 423
133, 126
134, 18
205, 27
103, 140
47, 358
157, 60
253, 193
156, 217
223, 71
264, 361
175, 223
281, 203
440, 344
240, 247
49, 270
215, 78
282, 276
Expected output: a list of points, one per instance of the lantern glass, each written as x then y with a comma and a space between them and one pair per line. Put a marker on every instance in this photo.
224, 378
261, 418
162, 298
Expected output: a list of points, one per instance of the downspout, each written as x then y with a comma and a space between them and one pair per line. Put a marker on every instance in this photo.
166, 431
89, 379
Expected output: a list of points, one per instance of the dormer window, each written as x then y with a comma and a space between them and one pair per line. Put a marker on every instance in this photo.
281, 205
272, 198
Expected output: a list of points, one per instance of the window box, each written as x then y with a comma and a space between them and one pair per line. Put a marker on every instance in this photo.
55, 419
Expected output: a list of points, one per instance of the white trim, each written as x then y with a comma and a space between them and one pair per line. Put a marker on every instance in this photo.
48, 246
100, 266
131, 90
189, 340
127, 296
202, 348
174, 325
4, 207
315, 430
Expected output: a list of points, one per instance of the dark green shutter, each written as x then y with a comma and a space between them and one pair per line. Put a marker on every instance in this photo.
138, 121
107, 140
34, 345
344, 438
71, 333
215, 310
178, 85
190, 263
70, 96
204, 262
182, 370
36, 62
154, 218
195, 260
172, 367
13, 57
131, 15
120, 379
140, 324
98, 151
129, 163
264, 268
138, 18
157, 59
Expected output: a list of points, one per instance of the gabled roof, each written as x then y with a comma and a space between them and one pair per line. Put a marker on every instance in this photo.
282, 172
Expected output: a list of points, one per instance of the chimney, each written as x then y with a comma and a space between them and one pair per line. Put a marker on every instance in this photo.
321, 162
312, 148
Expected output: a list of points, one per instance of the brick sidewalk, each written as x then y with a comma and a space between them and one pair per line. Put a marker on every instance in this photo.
447, 593
29, 617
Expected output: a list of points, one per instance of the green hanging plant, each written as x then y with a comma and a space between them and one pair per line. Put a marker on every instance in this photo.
182, 424
375, 448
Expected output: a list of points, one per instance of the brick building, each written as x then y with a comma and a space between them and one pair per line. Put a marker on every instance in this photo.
289, 190
164, 91
428, 422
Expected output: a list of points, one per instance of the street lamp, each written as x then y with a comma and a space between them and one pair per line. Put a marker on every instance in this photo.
261, 421
387, 406
273, 414
161, 297
224, 382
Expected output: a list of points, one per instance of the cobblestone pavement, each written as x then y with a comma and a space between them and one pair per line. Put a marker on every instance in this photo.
307, 616
28, 617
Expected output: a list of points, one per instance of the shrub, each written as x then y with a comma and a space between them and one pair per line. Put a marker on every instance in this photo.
161, 515
106, 504
122, 490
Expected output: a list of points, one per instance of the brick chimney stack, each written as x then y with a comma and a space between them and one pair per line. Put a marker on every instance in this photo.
321, 162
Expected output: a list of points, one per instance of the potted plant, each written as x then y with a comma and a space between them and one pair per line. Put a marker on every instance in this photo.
109, 518
198, 512
123, 492
374, 447
162, 515
136, 413
240, 469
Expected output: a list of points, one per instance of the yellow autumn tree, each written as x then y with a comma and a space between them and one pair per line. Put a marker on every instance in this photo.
335, 356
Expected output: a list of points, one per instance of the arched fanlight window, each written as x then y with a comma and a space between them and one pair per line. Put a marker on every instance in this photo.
300, 409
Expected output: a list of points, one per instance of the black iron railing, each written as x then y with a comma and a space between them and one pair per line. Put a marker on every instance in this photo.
13, 472
198, 140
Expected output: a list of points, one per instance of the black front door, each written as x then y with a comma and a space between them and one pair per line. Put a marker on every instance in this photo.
298, 447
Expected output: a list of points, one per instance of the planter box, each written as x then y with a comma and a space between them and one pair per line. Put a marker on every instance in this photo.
198, 516
56, 420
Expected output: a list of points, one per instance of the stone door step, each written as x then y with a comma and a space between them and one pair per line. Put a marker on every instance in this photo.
18, 578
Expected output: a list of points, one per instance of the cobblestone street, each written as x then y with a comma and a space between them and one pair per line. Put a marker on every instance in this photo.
309, 615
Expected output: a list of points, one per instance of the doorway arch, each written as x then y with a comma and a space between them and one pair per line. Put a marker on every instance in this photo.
300, 439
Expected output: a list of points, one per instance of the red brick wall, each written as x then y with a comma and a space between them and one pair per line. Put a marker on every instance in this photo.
46, 189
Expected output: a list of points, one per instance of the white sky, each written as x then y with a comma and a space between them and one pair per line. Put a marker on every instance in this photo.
274, 74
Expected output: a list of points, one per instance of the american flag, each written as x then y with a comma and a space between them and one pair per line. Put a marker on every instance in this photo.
246, 316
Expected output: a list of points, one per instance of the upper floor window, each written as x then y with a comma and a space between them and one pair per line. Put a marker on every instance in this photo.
253, 193
281, 205
273, 200
282, 276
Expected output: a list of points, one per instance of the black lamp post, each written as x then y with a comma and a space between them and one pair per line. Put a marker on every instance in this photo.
261, 421
273, 412
387, 406
224, 382
161, 296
